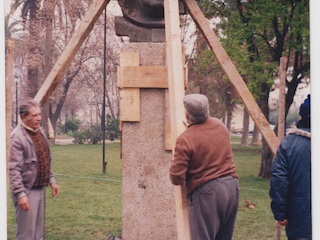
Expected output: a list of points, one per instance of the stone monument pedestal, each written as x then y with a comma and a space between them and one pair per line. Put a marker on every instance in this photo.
148, 201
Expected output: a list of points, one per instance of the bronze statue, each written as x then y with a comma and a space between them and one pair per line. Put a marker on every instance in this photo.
144, 13
142, 21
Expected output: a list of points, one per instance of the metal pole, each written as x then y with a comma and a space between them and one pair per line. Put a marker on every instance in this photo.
104, 163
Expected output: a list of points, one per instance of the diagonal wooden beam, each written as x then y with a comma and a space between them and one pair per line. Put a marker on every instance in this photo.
70, 51
234, 76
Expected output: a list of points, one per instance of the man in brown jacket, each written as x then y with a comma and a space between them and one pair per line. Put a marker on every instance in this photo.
30, 172
203, 161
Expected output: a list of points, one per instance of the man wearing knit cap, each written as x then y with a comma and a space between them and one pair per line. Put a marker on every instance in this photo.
203, 161
290, 190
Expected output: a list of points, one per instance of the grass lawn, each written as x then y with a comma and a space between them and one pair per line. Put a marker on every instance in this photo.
89, 206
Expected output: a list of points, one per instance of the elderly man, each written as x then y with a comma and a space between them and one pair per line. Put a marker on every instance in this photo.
30, 173
203, 160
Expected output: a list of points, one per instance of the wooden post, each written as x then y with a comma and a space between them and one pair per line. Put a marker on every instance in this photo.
70, 51
176, 94
277, 231
9, 79
281, 120
282, 96
8, 107
234, 76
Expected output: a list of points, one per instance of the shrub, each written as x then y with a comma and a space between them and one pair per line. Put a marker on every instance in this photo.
80, 137
113, 125
71, 125
91, 135
94, 134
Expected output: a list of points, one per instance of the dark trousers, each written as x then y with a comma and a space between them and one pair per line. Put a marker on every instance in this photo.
213, 208
299, 238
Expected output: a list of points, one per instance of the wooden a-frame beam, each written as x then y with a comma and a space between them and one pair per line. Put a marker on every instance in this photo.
70, 51
234, 76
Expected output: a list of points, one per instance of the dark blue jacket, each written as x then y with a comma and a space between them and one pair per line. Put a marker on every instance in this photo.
291, 183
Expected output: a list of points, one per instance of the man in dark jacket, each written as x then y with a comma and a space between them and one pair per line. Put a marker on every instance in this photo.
291, 179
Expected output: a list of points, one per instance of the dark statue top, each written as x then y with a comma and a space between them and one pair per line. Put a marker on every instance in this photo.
144, 13
142, 21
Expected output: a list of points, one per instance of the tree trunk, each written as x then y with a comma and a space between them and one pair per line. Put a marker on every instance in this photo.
245, 129
48, 17
54, 116
266, 162
34, 50
229, 119
255, 136
266, 156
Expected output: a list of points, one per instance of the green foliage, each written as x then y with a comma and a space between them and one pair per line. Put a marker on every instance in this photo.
71, 125
94, 134
80, 137
256, 35
291, 118
245, 47
269, 30
113, 125
91, 135
207, 77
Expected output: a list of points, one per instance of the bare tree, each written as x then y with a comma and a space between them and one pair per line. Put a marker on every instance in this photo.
56, 22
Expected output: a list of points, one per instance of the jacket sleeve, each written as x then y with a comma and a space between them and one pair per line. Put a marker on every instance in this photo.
179, 165
16, 165
52, 178
279, 185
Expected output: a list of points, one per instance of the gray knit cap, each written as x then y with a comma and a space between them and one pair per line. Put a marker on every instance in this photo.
196, 104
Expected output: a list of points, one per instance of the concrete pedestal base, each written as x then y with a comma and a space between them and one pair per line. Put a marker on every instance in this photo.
148, 205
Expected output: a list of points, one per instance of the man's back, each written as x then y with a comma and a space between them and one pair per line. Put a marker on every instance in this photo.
291, 183
209, 149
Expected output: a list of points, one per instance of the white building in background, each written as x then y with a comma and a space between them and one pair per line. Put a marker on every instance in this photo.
301, 94
237, 120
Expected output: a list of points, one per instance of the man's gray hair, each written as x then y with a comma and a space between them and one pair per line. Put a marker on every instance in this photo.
25, 107
198, 119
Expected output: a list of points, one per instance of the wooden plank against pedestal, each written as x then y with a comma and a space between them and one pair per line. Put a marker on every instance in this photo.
130, 105
70, 51
144, 77
176, 94
167, 127
129, 97
234, 76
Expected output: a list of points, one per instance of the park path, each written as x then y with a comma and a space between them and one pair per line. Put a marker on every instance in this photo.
66, 141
